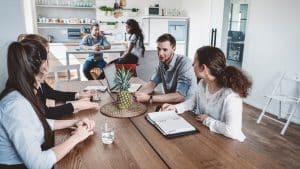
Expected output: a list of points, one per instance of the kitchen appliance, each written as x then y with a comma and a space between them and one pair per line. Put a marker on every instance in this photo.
74, 33
152, 11
179, 29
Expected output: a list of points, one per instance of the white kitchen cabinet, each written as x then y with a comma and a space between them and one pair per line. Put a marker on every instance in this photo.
154, 26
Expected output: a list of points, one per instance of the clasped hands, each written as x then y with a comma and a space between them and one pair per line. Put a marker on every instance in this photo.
83, 128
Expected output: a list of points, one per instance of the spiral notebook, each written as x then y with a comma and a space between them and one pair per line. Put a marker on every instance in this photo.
170, 124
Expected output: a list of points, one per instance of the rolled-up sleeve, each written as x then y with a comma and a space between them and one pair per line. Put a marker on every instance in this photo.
185, 79
105, 41
84, 40
156, 77
133, 39
20, 126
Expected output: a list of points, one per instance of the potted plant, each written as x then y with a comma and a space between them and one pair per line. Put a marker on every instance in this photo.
106, 9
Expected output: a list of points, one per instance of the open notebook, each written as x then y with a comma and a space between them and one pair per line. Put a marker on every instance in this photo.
170, 124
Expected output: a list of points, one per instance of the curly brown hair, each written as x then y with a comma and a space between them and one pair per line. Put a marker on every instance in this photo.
226, 76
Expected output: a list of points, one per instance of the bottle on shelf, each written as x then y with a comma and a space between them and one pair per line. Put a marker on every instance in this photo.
116, 5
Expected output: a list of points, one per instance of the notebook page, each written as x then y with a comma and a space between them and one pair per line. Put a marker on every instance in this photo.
161, 116
134, 87
175, 125
100, 88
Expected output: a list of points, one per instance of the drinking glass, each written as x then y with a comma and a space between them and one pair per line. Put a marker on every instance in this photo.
107, 133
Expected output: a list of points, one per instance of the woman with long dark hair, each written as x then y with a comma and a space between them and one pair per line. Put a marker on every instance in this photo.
135, 48
26, 136
47, 92
218, 103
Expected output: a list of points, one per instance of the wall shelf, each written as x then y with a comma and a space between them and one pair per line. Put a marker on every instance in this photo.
50, 23
71, 7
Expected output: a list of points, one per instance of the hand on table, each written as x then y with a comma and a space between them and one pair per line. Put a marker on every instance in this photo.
141, 97
84, 104
168, 107
87, 94
201, 117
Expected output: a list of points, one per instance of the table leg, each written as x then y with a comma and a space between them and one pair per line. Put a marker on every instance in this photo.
67, 64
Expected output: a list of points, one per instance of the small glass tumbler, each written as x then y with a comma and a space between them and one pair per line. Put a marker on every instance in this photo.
97, 95
107, 133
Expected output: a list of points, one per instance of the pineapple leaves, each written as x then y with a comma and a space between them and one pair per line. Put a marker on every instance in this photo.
122, 78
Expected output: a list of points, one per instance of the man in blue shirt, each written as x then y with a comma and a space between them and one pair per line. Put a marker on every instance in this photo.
98, 42
174, 71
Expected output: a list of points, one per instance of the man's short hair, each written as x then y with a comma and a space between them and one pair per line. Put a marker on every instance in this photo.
95, 24
167, 37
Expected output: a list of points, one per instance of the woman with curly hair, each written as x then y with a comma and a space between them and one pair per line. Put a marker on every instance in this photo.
218, 103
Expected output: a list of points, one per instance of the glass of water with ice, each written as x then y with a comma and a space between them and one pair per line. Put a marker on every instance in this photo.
107, 133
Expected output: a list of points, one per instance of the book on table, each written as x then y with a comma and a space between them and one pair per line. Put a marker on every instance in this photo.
170, 124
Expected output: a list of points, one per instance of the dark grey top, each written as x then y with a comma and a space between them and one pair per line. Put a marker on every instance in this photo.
178, 76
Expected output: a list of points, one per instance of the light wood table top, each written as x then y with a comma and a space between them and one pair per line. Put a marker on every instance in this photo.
129, 150
139, 145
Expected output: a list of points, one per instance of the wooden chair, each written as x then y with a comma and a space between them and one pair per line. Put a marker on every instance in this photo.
96, 72
58, 69
283, 97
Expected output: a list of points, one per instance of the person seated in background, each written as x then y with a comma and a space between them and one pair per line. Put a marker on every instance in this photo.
174, 72
218, 103
27, 138
47, 92
135, 48
98, 42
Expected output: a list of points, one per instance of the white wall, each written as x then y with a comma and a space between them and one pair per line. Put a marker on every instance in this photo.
199, 13
272, 46
13, 24
272, 42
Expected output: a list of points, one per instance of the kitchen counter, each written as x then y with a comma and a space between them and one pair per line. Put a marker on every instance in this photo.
75, 43
164, 17
114, 44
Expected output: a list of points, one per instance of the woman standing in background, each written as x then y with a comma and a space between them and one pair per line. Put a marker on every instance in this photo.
136, 48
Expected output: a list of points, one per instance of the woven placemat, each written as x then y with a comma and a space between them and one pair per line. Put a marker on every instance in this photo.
112, 110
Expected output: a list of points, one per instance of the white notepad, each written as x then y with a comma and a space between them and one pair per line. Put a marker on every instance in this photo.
170, 123
100, 88
134, 87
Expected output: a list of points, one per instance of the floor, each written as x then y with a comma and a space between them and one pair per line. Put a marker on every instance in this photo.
263, 138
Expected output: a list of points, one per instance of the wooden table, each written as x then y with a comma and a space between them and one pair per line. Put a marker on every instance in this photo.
139, 145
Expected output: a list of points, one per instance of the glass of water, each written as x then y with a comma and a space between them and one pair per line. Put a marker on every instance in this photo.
97, 95
107, 133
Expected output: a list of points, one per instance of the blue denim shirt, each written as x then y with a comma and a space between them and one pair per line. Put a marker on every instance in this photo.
178, 77
88, 40
22, 134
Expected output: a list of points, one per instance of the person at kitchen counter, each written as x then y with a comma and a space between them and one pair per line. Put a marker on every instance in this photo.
135, 47
174, 71
98, 42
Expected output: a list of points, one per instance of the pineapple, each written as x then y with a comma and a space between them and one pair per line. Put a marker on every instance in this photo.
124, 98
